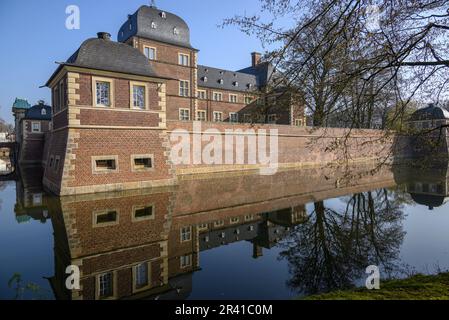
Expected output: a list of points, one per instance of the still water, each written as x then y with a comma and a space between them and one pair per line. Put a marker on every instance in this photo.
241, 236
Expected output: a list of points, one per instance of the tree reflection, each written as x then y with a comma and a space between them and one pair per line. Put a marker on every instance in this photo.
334, 246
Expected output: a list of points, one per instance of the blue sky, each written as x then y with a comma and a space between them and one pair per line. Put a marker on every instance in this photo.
34, 37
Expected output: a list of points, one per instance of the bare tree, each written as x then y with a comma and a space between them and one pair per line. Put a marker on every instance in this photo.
356, 57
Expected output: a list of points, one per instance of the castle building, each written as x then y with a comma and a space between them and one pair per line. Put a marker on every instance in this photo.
31, 125
112, 102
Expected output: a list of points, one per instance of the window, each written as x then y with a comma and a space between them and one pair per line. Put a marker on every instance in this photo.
202, 94
272, 118
203, 227
141, 276
186, 234
234, 220
142, 162
36, 127
249, 217
61, 94
184, 114
43, 112
235, 84
103, 89
141, 213
51, 161
218, 116
105, 218
183, 59
233, 98
150, 53
105, 164
184, 88
186, 261
233, 117
57, 160
201, 115
163, 15
153, 25
248, 100
218, 96
175, 31
105, 285
219, 223
37, 199
138, 97
298, 122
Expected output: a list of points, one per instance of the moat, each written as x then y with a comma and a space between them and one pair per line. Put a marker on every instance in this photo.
233, 236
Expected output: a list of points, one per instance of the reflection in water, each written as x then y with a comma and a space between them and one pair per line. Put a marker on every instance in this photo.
147, 243
334, 246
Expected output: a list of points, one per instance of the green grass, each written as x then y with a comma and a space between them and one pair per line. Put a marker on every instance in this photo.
418, 287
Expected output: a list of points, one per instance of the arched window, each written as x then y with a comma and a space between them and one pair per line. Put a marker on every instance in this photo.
43, 112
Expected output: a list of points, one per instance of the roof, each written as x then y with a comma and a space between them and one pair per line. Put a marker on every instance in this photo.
431, 112
21, 104
151, 23
210, 77
431, 201
36, 113
263, 72
104, 54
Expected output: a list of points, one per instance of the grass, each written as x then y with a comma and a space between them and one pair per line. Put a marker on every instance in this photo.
418, 287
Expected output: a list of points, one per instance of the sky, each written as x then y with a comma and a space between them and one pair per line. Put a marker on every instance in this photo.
34, 37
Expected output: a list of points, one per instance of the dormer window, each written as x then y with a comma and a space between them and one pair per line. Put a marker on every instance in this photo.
43, 112
236, 84
250, 85
175, 31
221, 81
153, 25
163, 15
130, 26
206, 70
205, 79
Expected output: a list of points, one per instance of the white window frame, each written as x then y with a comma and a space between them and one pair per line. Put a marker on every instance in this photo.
139, 219
149, 285
299, 123
202, 112
182, 92
215, 116
114, 286
185, 234
181, 57
133, 84
202, 92
188, 113
185, 261
217, 96
236, 117
231, 96
111, 92
247, 98
39, 129
149, 50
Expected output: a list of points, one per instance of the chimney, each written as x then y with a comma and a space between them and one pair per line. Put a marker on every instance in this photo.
104, 35
255, 58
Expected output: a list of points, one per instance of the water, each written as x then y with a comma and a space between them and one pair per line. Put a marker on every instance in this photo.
232, 236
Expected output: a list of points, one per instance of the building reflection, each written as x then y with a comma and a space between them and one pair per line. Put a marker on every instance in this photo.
146, 244
429, 185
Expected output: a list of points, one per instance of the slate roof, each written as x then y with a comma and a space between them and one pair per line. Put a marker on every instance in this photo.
104, 54
231, 80
431, 201
35, 112
148, 22
431, 112
263, 72
21, 104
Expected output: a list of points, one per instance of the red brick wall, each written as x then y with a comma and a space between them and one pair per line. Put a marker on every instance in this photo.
115, 118
123, 143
